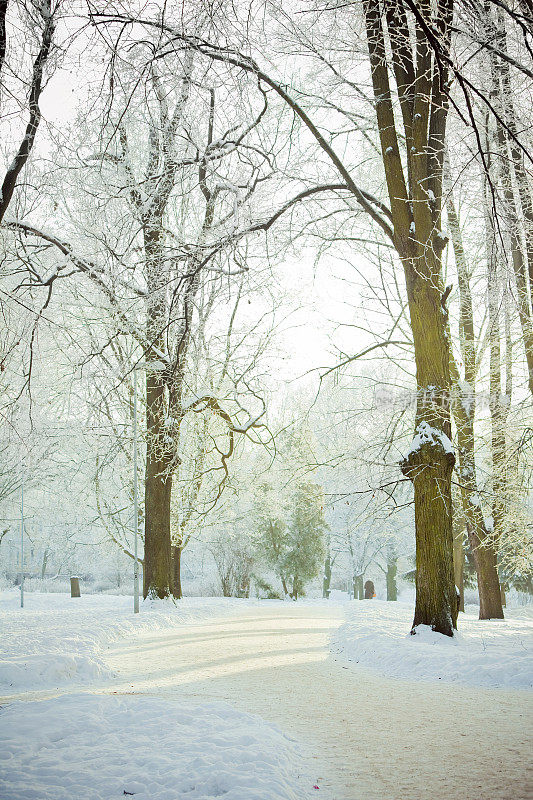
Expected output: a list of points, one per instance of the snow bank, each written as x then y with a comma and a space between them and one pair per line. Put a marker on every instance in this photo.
490, 653
57, 640
101, 747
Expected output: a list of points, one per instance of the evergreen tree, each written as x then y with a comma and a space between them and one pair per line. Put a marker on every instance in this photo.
306, 537
295, 551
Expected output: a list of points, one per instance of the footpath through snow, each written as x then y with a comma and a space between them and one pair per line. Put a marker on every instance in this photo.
363, 735
57, 640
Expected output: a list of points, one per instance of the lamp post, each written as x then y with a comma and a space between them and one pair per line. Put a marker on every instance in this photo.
135, 500
22, 539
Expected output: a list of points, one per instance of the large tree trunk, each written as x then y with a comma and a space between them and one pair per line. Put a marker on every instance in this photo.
464, 411
415, 189
158, 477
430, 469
430, 462
499, 402
157, 553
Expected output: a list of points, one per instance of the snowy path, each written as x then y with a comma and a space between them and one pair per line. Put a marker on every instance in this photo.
370, 737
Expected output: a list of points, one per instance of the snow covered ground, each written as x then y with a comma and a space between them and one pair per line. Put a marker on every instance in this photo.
489, 653
120, 703
103, 748
57, 640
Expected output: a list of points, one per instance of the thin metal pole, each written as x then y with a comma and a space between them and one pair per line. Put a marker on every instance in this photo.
22, 540
135, 500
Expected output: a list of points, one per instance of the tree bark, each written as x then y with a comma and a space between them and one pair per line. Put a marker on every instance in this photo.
157, 554
458, 565
44, 562
158, 476
176, 571
358, 587
464, 412
499, 402
36, 88
415, 200
327, 576
392, 570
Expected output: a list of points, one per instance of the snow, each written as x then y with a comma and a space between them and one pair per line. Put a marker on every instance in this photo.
425, 434
105, 747
154, 718
56, 640
488, 653
95, 743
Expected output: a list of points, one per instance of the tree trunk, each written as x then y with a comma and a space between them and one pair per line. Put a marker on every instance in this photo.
392, 569
45, 562
295, 587
458, 565
327, 576
358, 587
176, 571
503, 590
430, 462
498, 403
414, 186
157, 552
158, 477
464, 407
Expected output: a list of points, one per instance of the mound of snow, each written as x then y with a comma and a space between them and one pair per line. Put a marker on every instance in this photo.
50, 670
489, 653
100, 747
56, 640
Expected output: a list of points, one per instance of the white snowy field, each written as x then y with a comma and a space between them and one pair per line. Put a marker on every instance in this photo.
56, 640
100, 703
104, 747
488, 653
